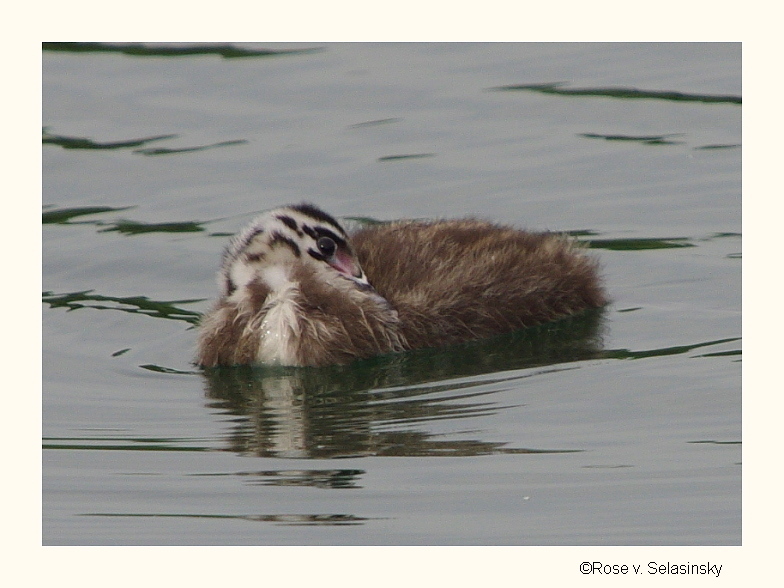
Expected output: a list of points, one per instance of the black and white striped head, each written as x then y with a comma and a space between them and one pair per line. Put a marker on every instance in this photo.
277, 240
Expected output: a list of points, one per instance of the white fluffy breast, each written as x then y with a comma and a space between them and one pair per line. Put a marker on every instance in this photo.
279, 333
279, 327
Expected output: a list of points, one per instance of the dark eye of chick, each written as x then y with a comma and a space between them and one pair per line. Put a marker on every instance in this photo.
326, 246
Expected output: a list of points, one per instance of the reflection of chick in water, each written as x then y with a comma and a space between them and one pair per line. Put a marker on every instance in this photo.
381, 406
298, 290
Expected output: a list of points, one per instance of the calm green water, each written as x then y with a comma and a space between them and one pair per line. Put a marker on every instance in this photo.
622, 427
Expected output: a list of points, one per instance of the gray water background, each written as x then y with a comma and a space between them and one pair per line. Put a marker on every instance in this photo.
619, 429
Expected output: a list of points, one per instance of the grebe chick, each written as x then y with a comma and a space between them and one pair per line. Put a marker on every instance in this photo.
295, 290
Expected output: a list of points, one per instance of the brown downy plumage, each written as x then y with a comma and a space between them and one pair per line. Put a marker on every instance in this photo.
294, 291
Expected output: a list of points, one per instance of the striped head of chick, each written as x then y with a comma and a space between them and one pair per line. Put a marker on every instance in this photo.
268, 253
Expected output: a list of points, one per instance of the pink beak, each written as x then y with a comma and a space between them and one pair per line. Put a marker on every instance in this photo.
347, 266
